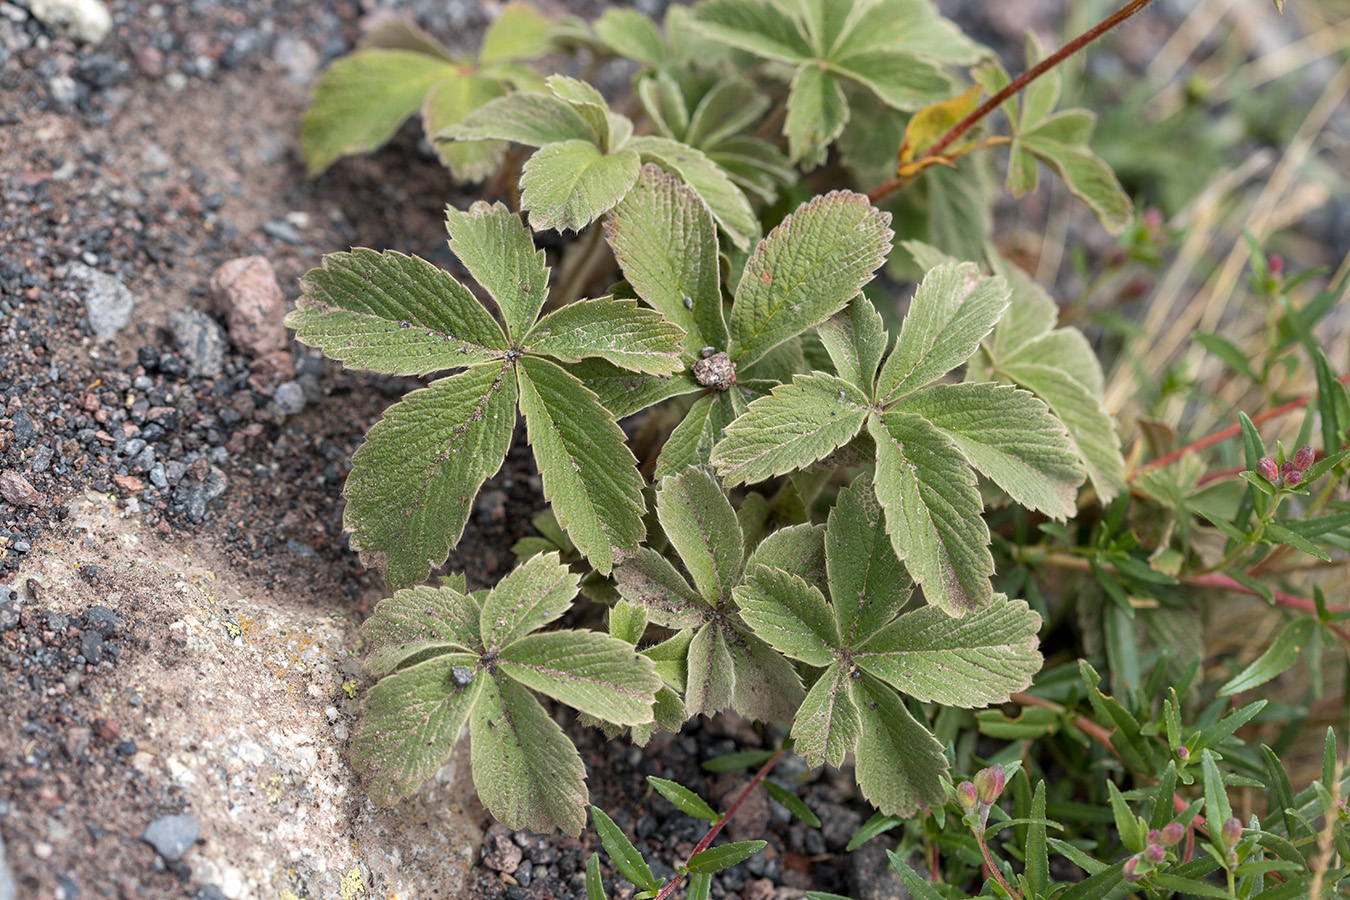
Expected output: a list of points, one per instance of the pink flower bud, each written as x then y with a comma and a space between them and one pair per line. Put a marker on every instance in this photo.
1173, 833
967, 795
1129, 871
1154, 836
1267, 469
1153, 217
1276, 263
1183, 754
989, 783
1155, 853
1304, 457
1292, 479
1232, 831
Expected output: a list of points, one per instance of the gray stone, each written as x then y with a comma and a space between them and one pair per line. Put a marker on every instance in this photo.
86, 21
6, 877
290, 397
171, 836
10, 607
107, 301
201, 340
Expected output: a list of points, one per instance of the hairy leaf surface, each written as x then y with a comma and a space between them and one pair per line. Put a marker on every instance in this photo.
416, 619
856, 340
899, 763
616, 330
533, 119
790, 614
569, 184
728, 204
701, 525
827, 724
533, 594
650, 581
868, 585
497, 249
592, 672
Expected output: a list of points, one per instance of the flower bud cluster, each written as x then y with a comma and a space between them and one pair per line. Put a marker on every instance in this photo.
1229, 835
1291, 473
1155, 854
979, 795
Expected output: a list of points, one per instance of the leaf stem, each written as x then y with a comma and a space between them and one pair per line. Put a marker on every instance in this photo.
721, 823
992, 866
1016, 85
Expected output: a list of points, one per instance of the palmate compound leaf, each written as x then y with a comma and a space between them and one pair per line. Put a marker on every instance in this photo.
867, 583
500, 255
569, 184
619, 331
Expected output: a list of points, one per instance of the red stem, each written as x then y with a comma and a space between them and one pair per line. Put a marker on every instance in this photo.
1228, 583
720, 823
1014, 86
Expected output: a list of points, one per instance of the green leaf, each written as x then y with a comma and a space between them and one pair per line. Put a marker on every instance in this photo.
1226, 351
650, 581
413, 481
1037, 855
901, 80
728, 204
765, 686
877, 824
1087, 177
1066, 349
799, 548
1127, 824
729, 107
526, 771
533, 594
411, 720
1190, 887
900, 764
933, 512
683, 799
665, 242
918, 887
363, 98
595, 888
973, 661
914, 26
663, 101
622, 853
447, 103
627, 622
1217, 808
403, 34
1010, 437
792, 803
730, 762
856, 340
616, 330
530, 118
711, 680
953, 310
590, 104
701, 525
588, 671
590, 475
1332, 402
763, 29
519, 32
632, 35
497, 249
1085, 416
395, 314
790, 614
569, 184
827, 723
624, 392
817, 111
805, 271
691, 443
416, 620
868, 585
1283, 652
715, 859
700, 886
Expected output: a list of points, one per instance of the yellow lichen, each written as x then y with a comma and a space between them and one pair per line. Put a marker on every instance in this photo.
351, 885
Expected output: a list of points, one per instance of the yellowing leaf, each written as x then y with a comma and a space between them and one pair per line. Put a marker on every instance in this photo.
929, 124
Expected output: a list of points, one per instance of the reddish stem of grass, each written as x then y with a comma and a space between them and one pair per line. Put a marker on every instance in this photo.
721, 823
954, 133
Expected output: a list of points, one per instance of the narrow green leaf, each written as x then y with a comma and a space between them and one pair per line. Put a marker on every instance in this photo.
953, 310
615, 330
591, 672
411, 720
526, 771
533, 594
519, 32
1191, 887
665, 242
700, 886
868, 585
395, 314
363, 98
651, 582
730, 762
715, 859
683, 799
805, 271
1282, 792
1227, 352
919, 888
901, 80
1217, 808
728, 204
413, 620
569, 184
711, 678
622, 853
827, 724
757, 27
817, 111
589, 473
413, 481
1010, 437
1279, 656
1131, 835
877, 824
933, 512
700, 523
974, 661
1217, 733
797, 425
1332, 402
1277, 533
900, 764
792, 803
497, 249
789, 614
530, 118
1037, 851
595, 888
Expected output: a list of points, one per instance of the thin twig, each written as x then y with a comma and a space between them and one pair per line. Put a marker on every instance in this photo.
1017, 84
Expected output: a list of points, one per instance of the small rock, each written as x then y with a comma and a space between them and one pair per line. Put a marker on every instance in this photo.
102, 620
91, 647
501, 854
7, 889
171, 836
16, 489
194, 495
758, 889
201, 341
246, 292
10, 607
129, 483
290, 397
107, 729
25, 432
107, 301
86, 21
491, 507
